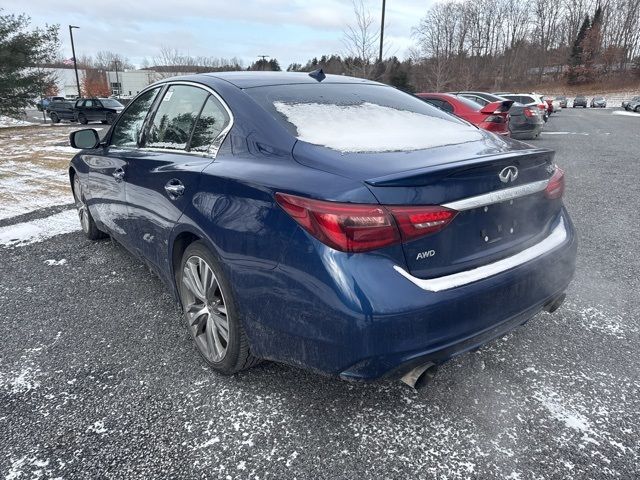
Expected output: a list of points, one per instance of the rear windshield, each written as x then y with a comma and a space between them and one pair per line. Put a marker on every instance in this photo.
360, 118
111, 103
469, 103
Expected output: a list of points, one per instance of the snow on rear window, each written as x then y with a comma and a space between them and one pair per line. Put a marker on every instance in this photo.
367, 127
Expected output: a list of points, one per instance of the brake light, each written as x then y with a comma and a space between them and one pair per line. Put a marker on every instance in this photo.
415, 222
495, 119
555, 187
353, 227
529, 113
542, 106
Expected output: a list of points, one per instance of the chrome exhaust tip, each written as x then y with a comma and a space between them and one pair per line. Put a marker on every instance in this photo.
419, 377
555, 303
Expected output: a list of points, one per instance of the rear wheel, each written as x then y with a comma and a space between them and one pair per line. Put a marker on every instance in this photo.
82, 119
637, 110
89, 226
54, 118
210, 312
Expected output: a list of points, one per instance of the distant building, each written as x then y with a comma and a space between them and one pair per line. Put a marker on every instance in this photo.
130, 82
121, 83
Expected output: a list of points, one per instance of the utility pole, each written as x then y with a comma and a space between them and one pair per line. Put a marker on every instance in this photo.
115, 64
263, 57
382, 31
75, 64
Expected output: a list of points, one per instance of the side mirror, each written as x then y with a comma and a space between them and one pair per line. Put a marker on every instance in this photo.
84, 139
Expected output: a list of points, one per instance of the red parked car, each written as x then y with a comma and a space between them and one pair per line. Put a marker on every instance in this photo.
493, 116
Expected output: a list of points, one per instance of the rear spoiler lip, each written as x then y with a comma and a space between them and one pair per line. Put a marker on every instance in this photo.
425, 175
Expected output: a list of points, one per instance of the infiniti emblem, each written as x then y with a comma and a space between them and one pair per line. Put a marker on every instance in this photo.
508, 174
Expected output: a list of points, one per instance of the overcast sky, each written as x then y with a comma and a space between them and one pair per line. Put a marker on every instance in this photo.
289, 30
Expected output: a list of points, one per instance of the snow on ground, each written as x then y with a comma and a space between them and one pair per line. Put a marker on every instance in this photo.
26, 233
372, 128
623, 112
33, 169
7, 122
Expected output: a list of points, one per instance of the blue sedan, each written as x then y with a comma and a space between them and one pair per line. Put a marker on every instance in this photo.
327, 222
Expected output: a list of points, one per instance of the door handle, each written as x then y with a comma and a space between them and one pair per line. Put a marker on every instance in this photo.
174, 188
118, 174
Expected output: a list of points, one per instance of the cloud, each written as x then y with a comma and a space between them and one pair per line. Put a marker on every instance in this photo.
290, 30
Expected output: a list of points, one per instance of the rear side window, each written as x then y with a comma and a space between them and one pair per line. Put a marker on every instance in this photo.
212, 121
126, 133
175, 117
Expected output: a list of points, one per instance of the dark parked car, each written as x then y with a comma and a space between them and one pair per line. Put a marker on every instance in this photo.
580, 101
564, 101
632, 105
598, 102
62, 111
530, 100
493, 117
104, 110
334, 223
44, 103
525, 123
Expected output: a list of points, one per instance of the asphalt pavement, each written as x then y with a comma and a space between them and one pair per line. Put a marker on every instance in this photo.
99, 379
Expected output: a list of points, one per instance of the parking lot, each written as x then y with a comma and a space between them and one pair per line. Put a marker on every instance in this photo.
99, 378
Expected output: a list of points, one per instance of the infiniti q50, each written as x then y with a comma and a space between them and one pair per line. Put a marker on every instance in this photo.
327, 222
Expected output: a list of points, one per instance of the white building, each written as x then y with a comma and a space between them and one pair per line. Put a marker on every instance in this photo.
131, 82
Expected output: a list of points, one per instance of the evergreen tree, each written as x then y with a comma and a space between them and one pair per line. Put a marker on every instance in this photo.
575, 58
23, 51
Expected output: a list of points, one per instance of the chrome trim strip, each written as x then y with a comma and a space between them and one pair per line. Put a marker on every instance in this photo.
497, 196
555, 239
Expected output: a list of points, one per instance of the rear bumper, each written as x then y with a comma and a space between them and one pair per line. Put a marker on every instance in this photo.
527, 130
365, 320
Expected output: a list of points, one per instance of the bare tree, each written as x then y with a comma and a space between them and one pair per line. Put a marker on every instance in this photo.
361, 40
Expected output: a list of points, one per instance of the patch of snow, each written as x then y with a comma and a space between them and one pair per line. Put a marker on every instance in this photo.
563, 413
7, 122
97, 427
624, 112
595, 319
52, 262
38, 230
372, 128
24, 382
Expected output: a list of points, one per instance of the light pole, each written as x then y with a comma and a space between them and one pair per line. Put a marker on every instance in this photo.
75, 64
382, 31
115, 63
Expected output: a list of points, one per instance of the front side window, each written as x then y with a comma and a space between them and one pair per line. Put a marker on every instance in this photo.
127, 131
213, 120
175, 118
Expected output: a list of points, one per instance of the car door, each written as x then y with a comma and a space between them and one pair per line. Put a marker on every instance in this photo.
162, 180
107, 176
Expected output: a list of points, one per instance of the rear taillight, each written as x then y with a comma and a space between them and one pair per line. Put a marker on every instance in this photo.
415, 222
528, 112
542, 106
555, 187
495, 119
353, 227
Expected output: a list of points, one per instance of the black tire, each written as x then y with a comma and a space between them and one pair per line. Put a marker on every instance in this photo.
54, 118
637, 110
82, 119
109, 118
89, 227
238, 355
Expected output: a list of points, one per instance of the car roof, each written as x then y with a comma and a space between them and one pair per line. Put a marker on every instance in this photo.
251, 79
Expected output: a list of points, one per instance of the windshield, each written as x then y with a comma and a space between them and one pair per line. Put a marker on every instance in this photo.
111, 103
360, 118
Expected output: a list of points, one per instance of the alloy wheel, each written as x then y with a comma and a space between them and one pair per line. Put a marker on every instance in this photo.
205, 308
83, 213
